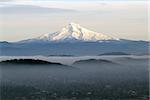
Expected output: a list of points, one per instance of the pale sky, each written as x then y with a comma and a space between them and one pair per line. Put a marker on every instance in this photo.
23, 19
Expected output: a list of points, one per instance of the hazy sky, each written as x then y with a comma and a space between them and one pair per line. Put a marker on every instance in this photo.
23, 19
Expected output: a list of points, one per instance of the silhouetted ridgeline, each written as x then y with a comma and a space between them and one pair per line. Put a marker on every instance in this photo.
114, 53
73, 48
94, 61
28, 61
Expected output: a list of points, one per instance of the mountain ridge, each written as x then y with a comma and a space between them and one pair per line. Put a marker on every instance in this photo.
73, 48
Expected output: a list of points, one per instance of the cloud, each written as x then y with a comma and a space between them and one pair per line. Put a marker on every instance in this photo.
78, 5
23, 9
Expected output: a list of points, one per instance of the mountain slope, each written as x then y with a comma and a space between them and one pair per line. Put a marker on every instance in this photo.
72, 32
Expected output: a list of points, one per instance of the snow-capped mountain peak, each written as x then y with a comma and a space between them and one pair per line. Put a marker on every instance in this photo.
74, 31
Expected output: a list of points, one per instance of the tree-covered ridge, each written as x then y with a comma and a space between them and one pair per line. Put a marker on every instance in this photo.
28, 61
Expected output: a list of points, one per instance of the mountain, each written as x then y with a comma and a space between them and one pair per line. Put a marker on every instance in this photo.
73, 40
72, 32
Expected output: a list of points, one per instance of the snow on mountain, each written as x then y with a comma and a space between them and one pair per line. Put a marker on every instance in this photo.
73, 32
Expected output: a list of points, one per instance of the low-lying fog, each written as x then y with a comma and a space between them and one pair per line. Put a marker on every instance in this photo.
71, 59
87, 76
